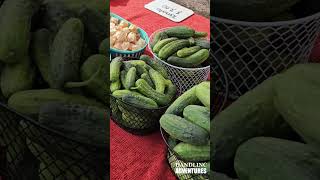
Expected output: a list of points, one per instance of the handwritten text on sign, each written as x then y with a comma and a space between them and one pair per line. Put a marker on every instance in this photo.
169, 9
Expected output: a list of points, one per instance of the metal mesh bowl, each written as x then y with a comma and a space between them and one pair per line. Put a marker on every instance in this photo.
250, 52
32, 151
183, 78
136, 120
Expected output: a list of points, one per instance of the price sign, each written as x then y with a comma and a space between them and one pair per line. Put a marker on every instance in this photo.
169, 9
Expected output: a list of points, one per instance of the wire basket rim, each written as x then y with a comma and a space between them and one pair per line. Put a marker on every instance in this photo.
162, 61
266, 23
50, 130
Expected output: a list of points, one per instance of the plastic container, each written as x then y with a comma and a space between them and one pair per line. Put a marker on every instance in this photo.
135, 53
183, 78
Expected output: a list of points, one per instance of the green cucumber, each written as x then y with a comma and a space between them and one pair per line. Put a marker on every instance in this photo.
143, 87
135, 62
115, 86
65, 53
140, 101
203, 93
203, 43
158, 80
120, 93
162, 43
115, 69
141, 70
158, 37
147, 78
182, 32
198, 115
198, 34
187, 98
123, 74
171, 90
191, 61
192, 153
155, 65
130, 78
188, 51
173, 47
184, 130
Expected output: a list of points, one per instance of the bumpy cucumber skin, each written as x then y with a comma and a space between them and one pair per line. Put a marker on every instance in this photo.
120, 93
171, 90
191, 61
140, 101
115, 69
130, 78
147, 78
183, 130
180, 32
143, 87
192, 153
188, 51
162, 43
158, 37
65, 53
203, 43
158, 80
187, 98
155, 65
15, 23
172, 48
198, 115
115, 86
199, 34
203, 93
141, 70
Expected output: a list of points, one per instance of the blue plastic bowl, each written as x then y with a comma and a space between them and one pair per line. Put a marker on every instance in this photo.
135, 53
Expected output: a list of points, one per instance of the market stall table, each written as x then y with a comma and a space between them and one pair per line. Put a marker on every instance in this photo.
143, 157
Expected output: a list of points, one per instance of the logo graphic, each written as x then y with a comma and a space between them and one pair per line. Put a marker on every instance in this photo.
191, 168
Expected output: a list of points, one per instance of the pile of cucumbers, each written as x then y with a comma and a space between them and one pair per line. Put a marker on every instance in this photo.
143, 83
181, 46
187, 122
55, 70
271, 132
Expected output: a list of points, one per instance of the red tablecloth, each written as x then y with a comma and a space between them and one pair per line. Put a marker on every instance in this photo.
143, 157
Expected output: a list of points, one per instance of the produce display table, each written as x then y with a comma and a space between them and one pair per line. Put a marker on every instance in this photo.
143, 157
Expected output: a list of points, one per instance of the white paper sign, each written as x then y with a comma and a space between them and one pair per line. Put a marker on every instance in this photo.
169, 9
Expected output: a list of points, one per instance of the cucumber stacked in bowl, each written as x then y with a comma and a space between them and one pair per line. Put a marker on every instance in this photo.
181, 46
187, 123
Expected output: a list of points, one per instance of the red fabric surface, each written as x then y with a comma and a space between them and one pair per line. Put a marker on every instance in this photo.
143, 157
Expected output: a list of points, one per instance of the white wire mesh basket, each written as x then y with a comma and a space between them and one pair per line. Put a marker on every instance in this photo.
250, 52
183, 78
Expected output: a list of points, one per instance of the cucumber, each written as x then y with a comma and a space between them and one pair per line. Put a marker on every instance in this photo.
182, 32
192, 153
203, 93
158, 37
17, 77
187, 98
158, 80
29, 102
147, 78
40, 51
188, 51
162, 43
140, 101
203, 43
65, 53
123, 74
115, 86
135, 62
141, 70
15, 23
198, 115
198, 34
155, 65
173, 47
115, 69
183, 130
193, 60
143, 87
120, 93
171, 90
104, 47
130, 78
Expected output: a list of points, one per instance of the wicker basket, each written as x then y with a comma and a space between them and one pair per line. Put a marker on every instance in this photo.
251, 52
